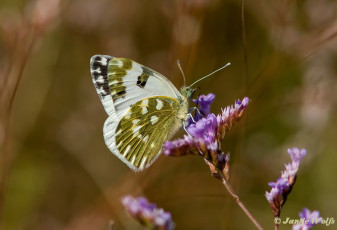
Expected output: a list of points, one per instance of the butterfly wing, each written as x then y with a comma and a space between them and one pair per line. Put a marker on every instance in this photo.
121, 82
138, 138
142, 106
99, 74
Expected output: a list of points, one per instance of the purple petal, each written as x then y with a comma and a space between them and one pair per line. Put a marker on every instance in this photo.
204, 102
180, 147
245, 101
204, 128
147, 213
297, 154
311, 219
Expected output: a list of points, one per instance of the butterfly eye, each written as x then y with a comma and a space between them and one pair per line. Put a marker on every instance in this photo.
189, 92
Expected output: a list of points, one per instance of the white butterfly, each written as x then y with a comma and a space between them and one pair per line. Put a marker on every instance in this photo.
144, 108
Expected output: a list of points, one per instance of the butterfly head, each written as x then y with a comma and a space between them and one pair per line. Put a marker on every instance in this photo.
187, 92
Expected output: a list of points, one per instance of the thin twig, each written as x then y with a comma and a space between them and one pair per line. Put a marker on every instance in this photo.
111, 225
237, 200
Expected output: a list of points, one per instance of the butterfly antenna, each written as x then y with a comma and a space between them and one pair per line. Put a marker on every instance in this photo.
228, 64
181, 70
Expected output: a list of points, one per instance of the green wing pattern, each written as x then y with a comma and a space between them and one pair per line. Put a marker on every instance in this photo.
143, 129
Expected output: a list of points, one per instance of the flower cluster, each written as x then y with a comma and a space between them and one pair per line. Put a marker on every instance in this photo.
147, 213
309, 220
207, 132
283, 186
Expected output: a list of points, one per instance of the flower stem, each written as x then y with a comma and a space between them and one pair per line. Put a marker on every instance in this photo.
276, 226
237, 199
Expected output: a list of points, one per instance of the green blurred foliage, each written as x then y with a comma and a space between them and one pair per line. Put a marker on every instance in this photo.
62, 175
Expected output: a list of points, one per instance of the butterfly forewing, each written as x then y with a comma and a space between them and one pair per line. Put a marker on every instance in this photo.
99, 73
129, 82
142, 131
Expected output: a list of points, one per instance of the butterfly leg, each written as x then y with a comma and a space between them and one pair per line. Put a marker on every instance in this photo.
184, 126
189, 115
197, 112
186, 123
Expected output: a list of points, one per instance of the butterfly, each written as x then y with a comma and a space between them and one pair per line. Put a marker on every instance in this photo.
144, 108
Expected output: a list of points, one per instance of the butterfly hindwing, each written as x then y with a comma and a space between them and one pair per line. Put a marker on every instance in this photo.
140, 134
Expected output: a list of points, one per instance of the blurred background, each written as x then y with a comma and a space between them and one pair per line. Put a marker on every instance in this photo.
57, 173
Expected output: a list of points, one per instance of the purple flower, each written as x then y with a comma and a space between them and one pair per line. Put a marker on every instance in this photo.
309, 219
204, 129
203, 105
292, 168
283, 186
147, 213
204, 102
297, 154
181, 147
230, 115
206, 134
